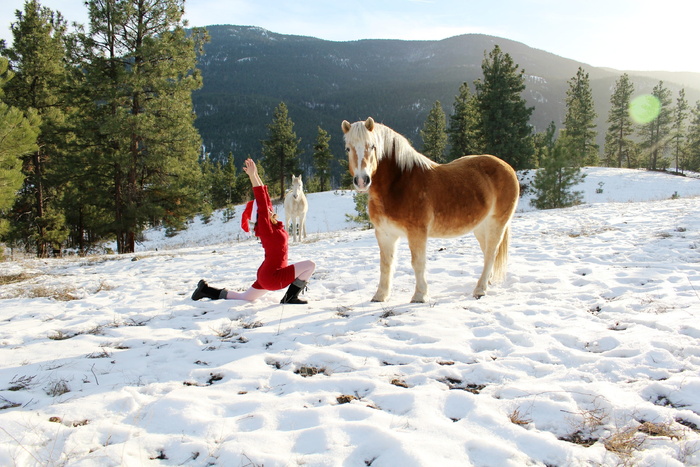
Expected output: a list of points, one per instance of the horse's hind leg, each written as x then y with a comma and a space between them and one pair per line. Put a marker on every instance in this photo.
489, 234
387, 250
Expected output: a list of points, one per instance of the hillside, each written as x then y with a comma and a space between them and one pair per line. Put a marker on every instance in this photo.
248, 71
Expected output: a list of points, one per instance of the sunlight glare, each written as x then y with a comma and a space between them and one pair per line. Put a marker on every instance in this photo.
644, 109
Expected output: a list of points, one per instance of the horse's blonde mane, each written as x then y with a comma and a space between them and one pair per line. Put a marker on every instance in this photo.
389, 142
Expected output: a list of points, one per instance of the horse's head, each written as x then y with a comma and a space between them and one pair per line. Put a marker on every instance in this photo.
297, 186
361, 146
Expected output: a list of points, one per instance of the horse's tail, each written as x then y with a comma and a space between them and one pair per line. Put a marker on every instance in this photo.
501, 261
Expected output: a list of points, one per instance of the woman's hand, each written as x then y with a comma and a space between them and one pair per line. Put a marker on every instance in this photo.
252, 170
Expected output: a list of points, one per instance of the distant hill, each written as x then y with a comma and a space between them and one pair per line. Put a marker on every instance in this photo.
248, 71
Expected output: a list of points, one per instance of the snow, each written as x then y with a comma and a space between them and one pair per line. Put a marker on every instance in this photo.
587, 354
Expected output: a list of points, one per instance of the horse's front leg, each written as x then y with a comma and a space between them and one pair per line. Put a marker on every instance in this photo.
387, 250
417, 241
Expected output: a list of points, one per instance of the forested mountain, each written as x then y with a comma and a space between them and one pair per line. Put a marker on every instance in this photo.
248, 71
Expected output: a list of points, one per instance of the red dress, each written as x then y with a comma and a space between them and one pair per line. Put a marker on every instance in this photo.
274, 273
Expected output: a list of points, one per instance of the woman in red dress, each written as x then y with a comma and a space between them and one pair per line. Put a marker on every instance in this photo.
274, 273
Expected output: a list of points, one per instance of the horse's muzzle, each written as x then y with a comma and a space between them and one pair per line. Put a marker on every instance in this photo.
361, 182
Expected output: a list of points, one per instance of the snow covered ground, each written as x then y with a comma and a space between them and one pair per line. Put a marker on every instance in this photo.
587, 354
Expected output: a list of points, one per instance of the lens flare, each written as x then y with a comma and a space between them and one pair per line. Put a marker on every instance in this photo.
644, 109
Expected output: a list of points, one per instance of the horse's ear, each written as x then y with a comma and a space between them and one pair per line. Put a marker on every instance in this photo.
369, 123
346, 126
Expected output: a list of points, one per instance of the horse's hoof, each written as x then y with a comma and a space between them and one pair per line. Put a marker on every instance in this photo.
419, 299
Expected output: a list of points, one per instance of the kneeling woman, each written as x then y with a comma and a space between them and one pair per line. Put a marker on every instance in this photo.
274, 273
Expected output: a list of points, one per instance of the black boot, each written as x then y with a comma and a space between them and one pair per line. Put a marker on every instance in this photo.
204, 291
292, 294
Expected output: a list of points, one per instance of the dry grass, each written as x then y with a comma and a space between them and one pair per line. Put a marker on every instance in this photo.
63, 294
6, 404
20, 383
624, 443
584, 427
306, 371
399, 382
58, 388
14, 278
345, 399
62, 336
667, 430
518, 419
251, 325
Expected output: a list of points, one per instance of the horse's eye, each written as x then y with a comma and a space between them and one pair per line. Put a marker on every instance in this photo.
347, 150
373, 147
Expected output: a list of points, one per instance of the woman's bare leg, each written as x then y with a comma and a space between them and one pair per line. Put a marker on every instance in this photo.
304, 269
250, 295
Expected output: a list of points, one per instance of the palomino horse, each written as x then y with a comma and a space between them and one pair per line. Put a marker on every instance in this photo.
412, 196
295, 209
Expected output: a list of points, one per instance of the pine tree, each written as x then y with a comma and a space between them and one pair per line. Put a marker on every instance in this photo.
18, 136
434, 134
579, 121
504, 116
323, 158
693, 145
680, 114
656, 133
463, 131
281, 150
139, 72
362, 217
555, 178
37, 57
544, 143
619, 147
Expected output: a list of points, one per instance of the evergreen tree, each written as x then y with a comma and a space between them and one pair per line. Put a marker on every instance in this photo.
680, 114
281, 150
209, 186
38, 59
544, 143
619, 147
504, 116
693, 146
434, 134
137, 120
555, 178
220, 177
656, 133
345, 175
323, 158
579, 121
18, 136
361, 208
463, 131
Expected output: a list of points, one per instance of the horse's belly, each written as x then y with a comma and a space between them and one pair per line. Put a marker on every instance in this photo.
443, 231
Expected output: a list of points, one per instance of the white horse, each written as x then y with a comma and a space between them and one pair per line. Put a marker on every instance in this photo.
295, 209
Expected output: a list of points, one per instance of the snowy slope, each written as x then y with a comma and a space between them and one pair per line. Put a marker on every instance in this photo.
587, 354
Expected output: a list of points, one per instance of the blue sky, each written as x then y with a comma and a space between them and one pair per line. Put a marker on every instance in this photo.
621, 34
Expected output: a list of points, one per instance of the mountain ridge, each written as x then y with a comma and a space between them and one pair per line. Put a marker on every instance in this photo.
248, 71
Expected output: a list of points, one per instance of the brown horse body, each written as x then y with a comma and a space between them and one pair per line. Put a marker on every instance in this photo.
414, 197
